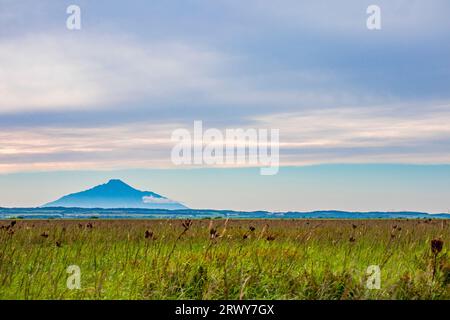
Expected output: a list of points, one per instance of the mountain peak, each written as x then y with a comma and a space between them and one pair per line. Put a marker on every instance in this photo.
115, 181
115, 194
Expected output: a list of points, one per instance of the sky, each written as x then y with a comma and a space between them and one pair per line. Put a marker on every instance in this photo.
362, 114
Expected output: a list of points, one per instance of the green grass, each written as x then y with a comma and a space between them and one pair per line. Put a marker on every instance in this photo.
303, 259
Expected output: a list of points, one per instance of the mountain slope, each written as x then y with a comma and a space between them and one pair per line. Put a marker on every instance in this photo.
115, 194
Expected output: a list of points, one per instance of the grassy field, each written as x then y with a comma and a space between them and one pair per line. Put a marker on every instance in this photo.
221, 259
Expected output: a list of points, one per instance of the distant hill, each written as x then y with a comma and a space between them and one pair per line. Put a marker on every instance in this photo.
136, 213
116, 194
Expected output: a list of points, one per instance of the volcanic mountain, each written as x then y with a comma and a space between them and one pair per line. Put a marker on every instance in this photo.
116, 194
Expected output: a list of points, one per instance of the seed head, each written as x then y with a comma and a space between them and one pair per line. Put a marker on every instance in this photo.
213, 233
148, 234
436, 246
186, 224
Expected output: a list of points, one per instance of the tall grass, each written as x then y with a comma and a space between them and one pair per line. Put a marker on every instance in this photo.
221, 259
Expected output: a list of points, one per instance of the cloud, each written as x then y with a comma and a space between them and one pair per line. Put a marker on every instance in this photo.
400, 18
103, 99
344, 135
364, 135
64, 72
151, 199
69, 148
57, 73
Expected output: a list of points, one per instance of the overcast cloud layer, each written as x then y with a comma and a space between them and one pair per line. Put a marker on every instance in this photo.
109, 96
